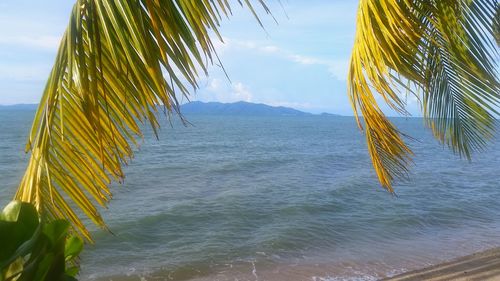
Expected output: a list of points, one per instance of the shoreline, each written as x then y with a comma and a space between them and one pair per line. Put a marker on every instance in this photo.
480, 266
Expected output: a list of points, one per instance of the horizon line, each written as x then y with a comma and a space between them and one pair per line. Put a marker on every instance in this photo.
302, 110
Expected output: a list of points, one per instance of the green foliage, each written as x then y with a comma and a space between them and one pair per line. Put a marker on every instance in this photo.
32, 250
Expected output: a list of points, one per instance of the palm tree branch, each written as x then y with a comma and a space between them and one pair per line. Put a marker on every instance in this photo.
117, 64
443, 53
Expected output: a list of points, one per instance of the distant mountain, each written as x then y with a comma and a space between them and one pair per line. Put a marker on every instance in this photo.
213, 108
239, 108
21, 106
330, 114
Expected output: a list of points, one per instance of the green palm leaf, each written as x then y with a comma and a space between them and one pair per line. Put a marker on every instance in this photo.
108, 78
444, 53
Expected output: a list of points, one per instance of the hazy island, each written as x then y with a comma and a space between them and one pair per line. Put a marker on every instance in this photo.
242, 108
213, 108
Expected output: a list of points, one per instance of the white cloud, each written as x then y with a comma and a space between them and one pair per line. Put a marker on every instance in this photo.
241, 92
304, 60
24, 72
337, 68
214, 85
270, 49
221, 91
36, 42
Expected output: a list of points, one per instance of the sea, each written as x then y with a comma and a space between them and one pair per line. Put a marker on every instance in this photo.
278, 198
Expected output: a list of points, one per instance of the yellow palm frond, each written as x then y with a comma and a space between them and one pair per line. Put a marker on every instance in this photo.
107, 79
443, 52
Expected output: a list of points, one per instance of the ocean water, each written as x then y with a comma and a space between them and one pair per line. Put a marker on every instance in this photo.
279, 198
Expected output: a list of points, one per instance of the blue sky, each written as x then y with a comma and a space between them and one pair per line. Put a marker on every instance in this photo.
300, 62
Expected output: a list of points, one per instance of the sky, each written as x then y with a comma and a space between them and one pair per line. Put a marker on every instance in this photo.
299, 62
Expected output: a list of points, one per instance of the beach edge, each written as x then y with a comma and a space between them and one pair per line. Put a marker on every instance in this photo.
484, 265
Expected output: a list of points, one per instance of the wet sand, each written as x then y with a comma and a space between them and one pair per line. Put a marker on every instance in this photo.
482, 266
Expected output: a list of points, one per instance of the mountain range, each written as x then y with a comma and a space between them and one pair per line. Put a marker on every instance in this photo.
238, 108
214, 108
241, 108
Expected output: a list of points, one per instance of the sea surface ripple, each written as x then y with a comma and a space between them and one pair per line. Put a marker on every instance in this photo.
279, 198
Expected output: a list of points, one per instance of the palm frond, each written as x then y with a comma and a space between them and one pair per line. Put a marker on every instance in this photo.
462, 94
107, 79
444, 53
381, 51
496, 25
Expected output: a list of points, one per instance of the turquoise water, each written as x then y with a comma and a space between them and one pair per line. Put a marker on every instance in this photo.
279, 198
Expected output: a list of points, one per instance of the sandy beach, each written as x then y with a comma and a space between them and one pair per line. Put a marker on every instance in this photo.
482, 266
